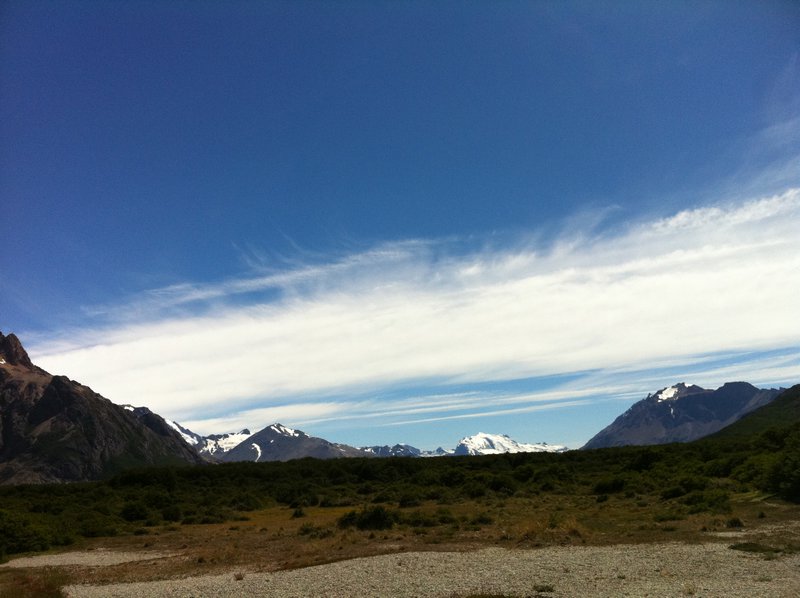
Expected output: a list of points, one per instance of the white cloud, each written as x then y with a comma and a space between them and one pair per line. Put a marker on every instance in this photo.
282, 413
716, 278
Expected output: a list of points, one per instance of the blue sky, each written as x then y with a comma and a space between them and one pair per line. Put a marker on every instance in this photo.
401, 221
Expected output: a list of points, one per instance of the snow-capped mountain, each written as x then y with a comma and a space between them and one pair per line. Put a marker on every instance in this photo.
214, 445
682, 413
279, 443
495, 444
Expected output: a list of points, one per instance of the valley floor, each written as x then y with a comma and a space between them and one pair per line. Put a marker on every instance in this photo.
674, 569
273, 554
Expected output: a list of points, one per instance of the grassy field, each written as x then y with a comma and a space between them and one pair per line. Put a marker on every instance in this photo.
278, 538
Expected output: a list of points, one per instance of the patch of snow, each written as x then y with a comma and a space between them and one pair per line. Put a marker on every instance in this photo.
258, 450
219, 444
2, 361
127, 407
281, 429
229, 441
191, 440
669, 393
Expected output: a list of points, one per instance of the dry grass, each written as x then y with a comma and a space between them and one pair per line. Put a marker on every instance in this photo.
272, 539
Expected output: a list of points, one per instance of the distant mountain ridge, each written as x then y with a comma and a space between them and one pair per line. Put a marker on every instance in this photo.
398, 450
280, 443
53, 429
478, 444
682, 413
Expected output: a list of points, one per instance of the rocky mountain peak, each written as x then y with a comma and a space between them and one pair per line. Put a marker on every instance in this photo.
53, 429
682, 413
12, 352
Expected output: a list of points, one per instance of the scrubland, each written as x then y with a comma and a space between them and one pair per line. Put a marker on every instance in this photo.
265, 517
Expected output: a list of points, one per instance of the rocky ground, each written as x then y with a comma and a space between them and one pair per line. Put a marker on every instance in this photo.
674, 569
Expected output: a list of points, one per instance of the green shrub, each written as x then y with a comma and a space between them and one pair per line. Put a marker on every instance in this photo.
474, 489
503, 484
482, 519
134, 511
18, 535
784, 476
445, 517
371, 518
714, 501
96, 525
419, 519
171, 513
408, 500
609, 486
734, 522
245, 502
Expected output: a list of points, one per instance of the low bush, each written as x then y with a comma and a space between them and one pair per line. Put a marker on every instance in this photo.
371, 518
18, 535
134, 511
609, 486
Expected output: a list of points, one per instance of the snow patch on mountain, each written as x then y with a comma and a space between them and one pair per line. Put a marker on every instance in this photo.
670, 393
217, 445
190, 437
258, 451
281, 429
214, 445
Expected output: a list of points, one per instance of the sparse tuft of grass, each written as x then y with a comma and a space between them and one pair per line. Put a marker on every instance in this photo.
734, 522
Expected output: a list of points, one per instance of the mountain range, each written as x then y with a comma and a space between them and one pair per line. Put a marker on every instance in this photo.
53, 429
280, 443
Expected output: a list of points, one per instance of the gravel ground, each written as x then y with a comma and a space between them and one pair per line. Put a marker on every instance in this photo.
86, 558
622, 570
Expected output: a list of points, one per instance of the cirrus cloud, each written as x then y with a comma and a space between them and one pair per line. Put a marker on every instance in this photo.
718, 278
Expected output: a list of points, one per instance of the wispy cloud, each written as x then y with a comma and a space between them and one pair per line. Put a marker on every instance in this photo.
289, 344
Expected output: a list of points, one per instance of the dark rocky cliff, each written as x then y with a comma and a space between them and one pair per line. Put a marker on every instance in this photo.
53, 429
